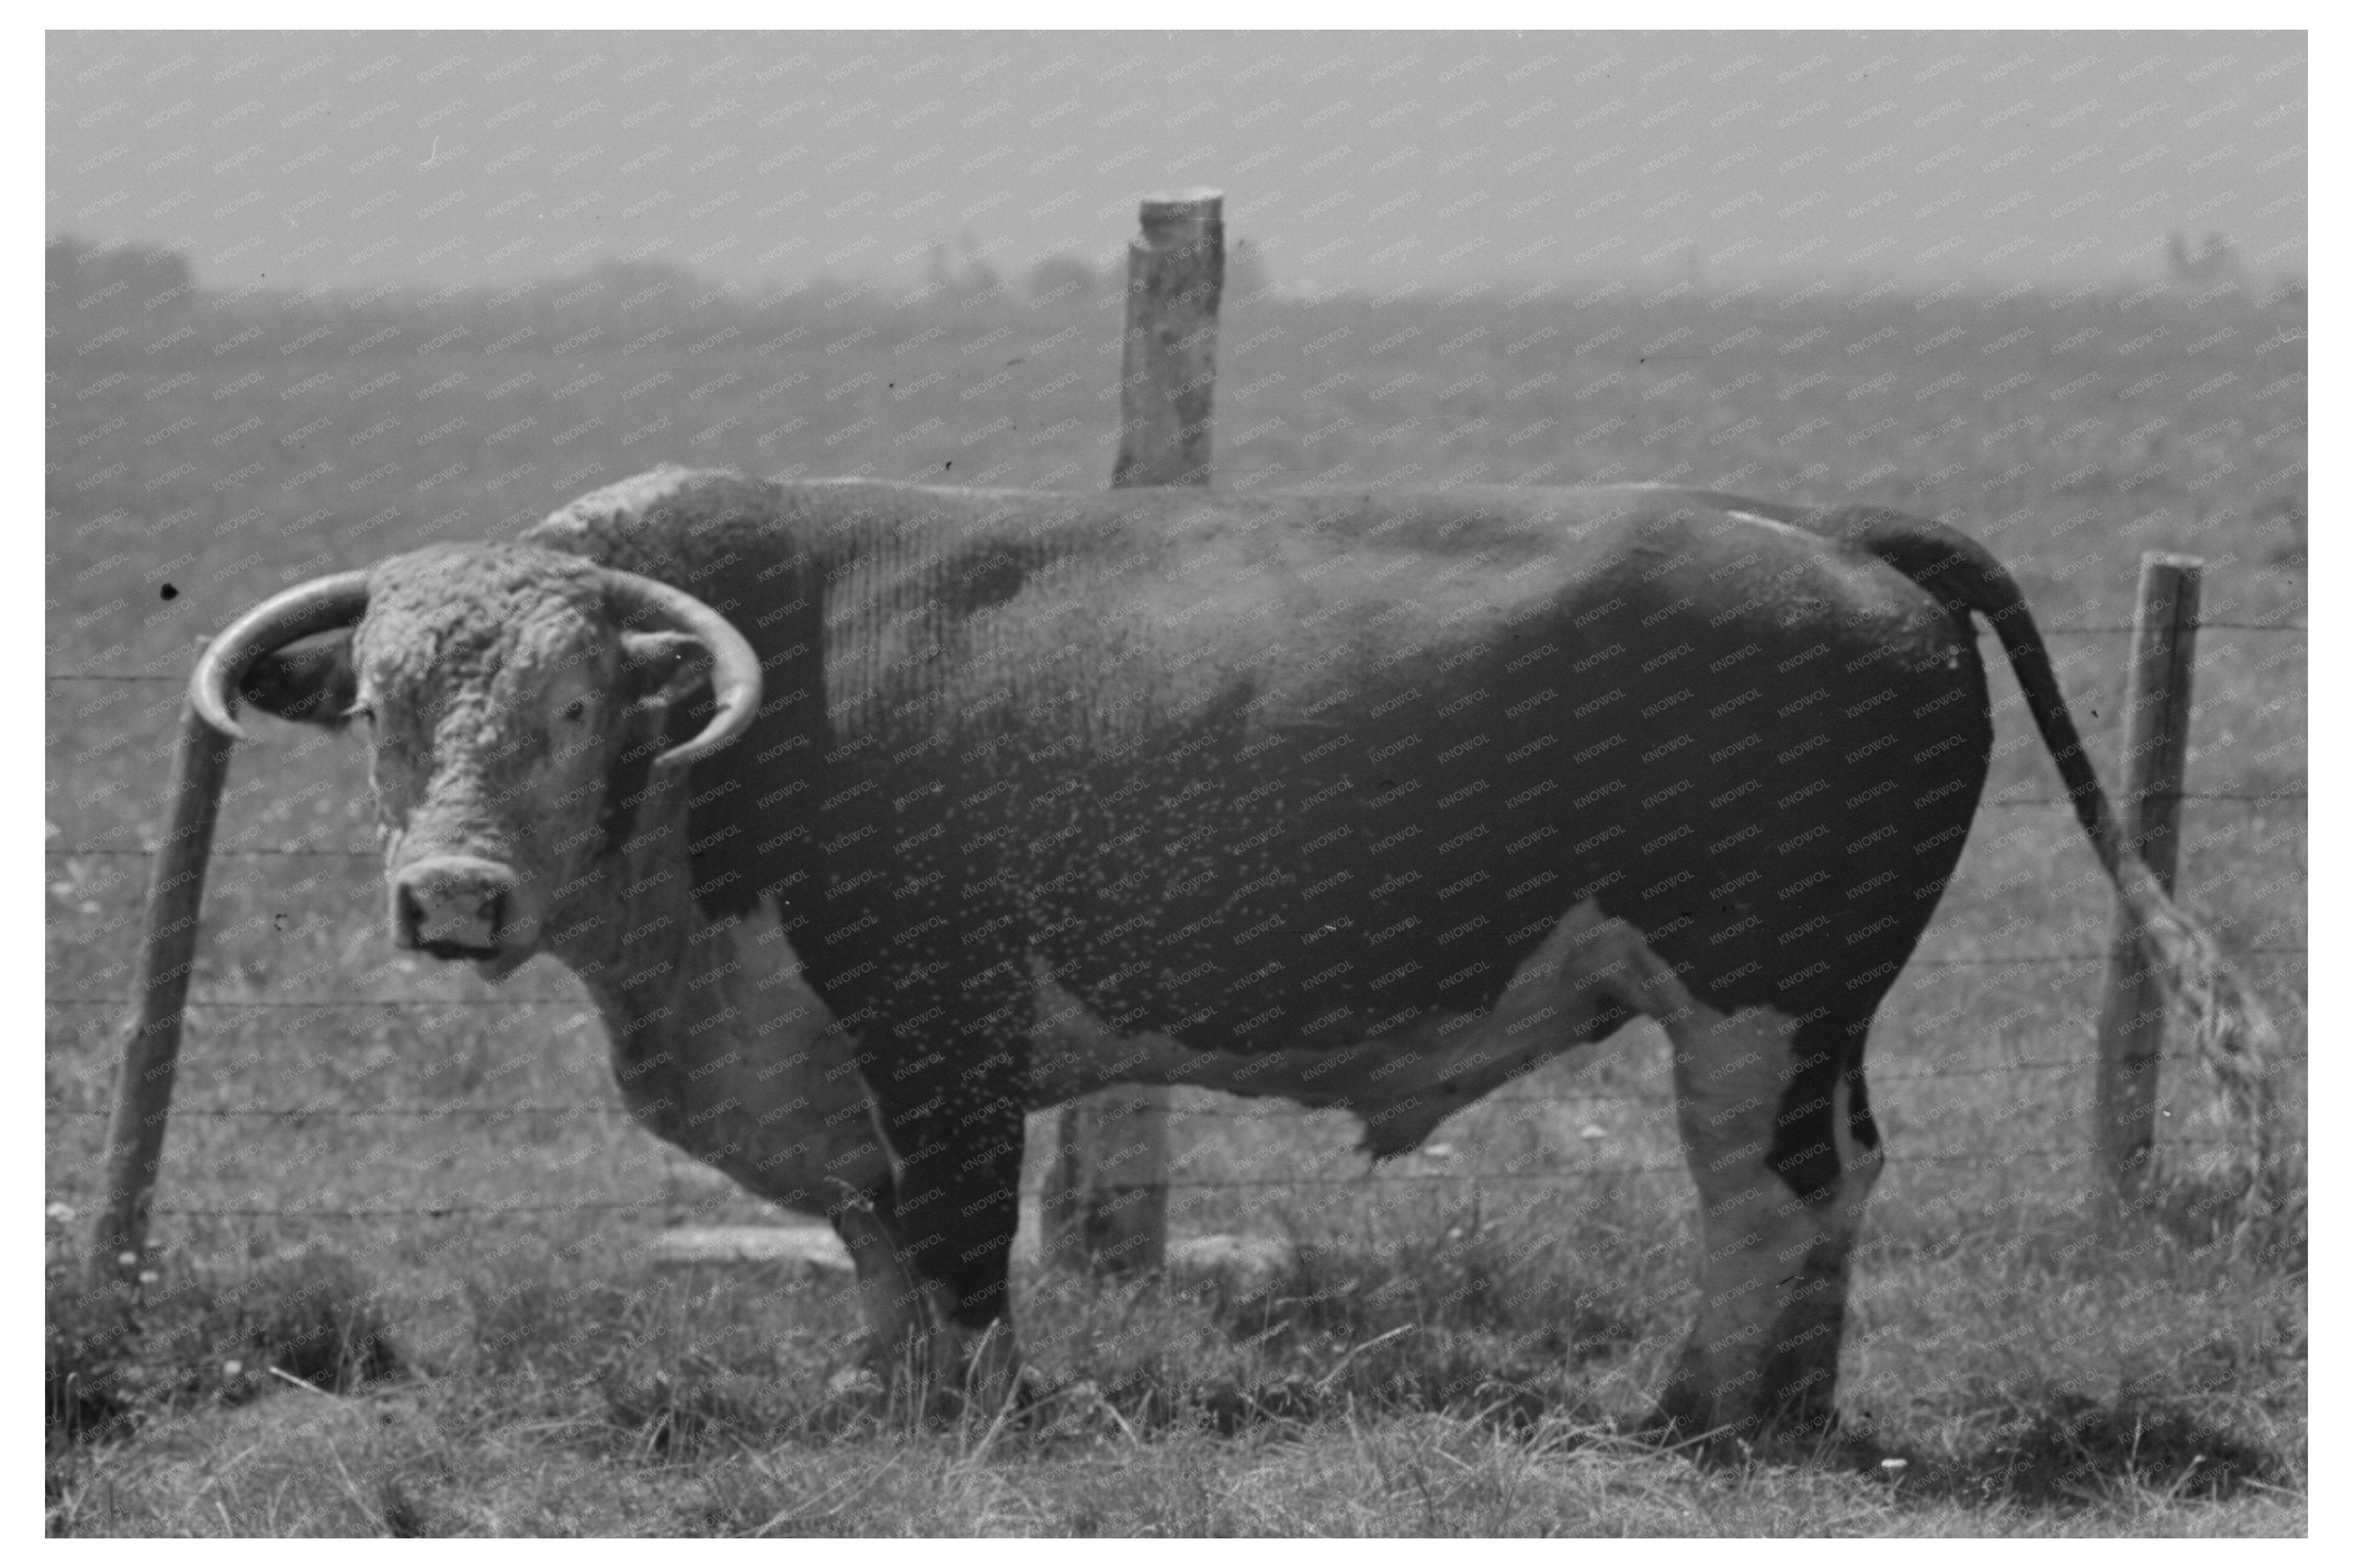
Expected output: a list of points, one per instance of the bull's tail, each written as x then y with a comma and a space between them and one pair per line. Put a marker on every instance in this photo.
2207, 1003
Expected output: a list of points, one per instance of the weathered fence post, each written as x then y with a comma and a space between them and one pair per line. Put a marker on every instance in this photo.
151, 1051
1176, 271
2156, 743
1106, 1193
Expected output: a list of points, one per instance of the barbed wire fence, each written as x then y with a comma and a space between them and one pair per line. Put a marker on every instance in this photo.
1206, 1186
227, 1014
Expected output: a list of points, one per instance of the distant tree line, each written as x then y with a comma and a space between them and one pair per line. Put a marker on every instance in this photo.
139, 304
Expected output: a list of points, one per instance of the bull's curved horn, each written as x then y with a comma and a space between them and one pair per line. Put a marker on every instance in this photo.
320, 604
734, 667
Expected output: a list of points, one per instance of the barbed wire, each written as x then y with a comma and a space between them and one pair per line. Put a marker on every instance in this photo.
111, 852
2202, 626
2259, 796
1363, 1179
1176, 1114
231, 1004
104, 851
2295, 626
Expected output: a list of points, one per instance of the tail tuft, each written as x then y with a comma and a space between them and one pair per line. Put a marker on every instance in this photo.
2227, 1027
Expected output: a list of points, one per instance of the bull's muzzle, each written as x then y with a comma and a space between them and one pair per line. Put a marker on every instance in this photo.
455, 906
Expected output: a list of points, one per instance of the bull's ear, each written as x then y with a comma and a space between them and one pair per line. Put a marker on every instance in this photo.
310, 680
661, 669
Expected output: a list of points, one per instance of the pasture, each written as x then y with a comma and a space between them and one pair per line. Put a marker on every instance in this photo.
387, 1176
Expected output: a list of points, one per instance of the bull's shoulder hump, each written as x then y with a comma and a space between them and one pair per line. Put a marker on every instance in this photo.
671, 521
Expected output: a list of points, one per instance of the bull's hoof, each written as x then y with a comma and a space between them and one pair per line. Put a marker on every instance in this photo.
955, 1375
1714, 1435
1721, 1415
991, 1382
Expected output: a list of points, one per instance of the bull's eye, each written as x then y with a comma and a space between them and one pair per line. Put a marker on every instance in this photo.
575, 711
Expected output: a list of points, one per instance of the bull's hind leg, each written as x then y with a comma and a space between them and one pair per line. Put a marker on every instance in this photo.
1780, 1141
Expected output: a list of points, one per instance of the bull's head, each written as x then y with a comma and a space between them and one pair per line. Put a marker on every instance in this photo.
516, 698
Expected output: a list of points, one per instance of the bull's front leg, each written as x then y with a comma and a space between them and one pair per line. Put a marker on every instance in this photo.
772, 1119
1781, 1146
946, 1064
905, 1318
723, 1050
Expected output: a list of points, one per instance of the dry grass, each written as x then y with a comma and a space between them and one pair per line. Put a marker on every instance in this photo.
1467, 1342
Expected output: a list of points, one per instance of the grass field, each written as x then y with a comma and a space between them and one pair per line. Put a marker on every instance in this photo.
1468, 1335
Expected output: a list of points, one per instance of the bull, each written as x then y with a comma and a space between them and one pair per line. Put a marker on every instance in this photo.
874, 816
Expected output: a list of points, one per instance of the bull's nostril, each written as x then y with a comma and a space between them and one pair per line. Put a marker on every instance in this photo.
408, 916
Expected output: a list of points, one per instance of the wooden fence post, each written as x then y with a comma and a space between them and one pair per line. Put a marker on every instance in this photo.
151, 1051
1168, 365
1106, 1193
2156, 746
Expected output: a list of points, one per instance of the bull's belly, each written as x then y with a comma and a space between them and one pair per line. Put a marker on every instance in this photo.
1588, 973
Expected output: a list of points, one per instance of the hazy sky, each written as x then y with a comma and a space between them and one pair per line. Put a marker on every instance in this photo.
1364, 159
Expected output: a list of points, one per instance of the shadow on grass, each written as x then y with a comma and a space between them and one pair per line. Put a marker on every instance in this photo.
2074, 1443
2065, 1449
